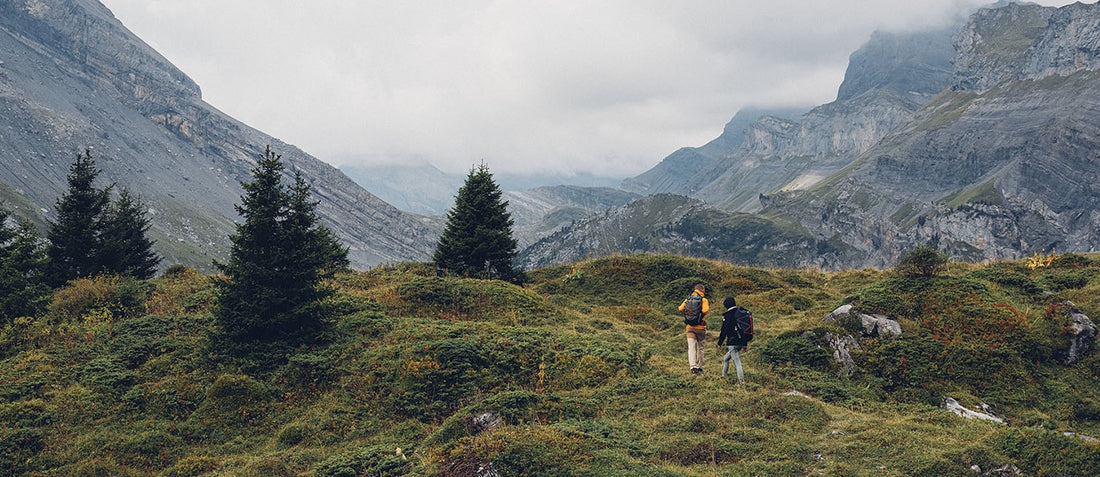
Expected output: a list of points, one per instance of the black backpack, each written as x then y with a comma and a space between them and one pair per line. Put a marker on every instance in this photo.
744, 329
693, 310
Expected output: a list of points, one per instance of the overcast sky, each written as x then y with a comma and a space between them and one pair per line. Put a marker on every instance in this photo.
607, 87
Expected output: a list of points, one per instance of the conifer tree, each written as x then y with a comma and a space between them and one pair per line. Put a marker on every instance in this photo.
126, 249
477, 239
280, 254
75, 239
95, 235
22, 264
320, 251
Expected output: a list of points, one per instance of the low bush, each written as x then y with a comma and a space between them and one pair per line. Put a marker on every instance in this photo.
28, 413
135, 340
108, 375
181, 290
174, 397
465, 298
975, 320
100, 299
19, 449
1070, 279
150, 449
438, 377
922, 261
231, 403
909, 362
796, 348
374, 460
539, 450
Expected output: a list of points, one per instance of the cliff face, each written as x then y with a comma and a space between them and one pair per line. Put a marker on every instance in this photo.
73, 77
1003, 165
759, 152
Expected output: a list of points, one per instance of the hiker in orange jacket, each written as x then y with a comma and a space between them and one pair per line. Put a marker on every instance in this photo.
696, 327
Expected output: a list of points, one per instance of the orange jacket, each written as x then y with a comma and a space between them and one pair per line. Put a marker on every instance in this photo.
704, 309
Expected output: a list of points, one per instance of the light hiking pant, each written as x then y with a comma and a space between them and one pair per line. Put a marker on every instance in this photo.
735, 355
696, 339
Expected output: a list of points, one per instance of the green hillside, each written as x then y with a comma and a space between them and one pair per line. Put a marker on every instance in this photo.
581, 372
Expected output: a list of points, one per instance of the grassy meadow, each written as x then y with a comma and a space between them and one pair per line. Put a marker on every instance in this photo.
581, 371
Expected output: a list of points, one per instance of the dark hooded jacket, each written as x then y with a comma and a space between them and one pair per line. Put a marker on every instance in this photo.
728, 335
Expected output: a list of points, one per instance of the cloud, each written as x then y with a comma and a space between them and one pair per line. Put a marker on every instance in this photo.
606, 87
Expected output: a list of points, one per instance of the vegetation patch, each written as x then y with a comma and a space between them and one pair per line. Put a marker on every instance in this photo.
580, 371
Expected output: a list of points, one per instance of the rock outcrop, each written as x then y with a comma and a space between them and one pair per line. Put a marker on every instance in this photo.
842, 347
1081, 334
872, 325
986, 414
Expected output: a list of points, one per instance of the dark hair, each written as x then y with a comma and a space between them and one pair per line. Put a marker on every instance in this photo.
729, 302
699, 286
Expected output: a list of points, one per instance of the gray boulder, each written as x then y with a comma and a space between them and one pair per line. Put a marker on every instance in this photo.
843, 310
486, 421
1082, 333
879, 325
1081, 436
874, 326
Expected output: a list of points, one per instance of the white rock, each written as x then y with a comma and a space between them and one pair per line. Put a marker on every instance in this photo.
952, 405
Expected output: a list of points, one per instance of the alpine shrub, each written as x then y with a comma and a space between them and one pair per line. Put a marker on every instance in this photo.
922, 261
795, 348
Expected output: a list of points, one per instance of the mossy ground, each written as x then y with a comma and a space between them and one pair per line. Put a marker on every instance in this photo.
582, 371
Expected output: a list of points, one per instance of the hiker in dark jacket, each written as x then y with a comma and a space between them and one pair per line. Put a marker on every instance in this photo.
734, 341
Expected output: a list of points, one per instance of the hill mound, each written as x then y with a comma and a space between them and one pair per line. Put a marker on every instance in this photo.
580, 372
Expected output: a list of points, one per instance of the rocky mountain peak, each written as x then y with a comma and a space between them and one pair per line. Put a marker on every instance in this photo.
1018, 42
915, 64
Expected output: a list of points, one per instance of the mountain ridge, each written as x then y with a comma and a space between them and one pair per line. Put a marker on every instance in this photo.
986, 171
76, 78
999, 162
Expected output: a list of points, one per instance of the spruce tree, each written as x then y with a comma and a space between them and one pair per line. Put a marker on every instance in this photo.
477, 239
76, 238
320, 251
279, 256
94, 235
126, 248
22, 264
